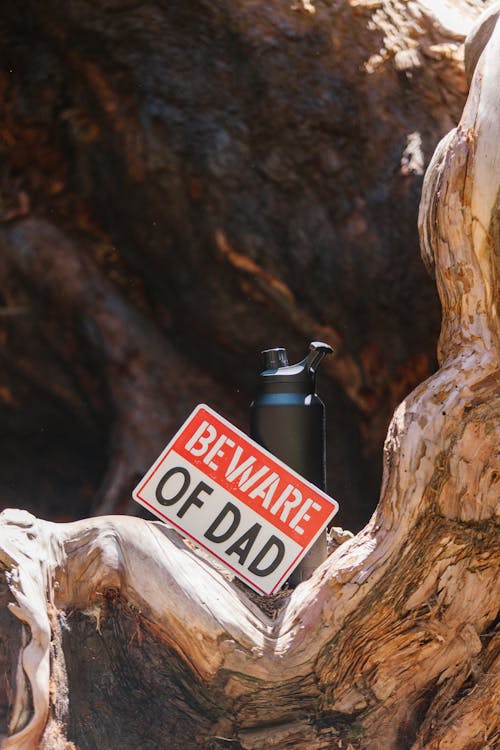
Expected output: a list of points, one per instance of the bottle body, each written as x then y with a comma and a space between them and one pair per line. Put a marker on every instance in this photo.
291, 426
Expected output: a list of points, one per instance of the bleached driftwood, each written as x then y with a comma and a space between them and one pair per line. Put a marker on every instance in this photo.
123, 637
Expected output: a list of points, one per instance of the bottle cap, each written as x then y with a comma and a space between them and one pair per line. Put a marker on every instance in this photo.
300, 377
271, 359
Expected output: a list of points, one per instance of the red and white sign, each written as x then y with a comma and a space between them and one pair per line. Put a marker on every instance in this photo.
235, 499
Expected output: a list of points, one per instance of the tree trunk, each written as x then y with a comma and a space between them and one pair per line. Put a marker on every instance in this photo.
187, 183
116, 634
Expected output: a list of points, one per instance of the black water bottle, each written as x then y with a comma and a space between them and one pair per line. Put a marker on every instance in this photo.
288, 418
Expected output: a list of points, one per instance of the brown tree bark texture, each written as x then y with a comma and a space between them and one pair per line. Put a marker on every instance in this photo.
124, 637
185, 184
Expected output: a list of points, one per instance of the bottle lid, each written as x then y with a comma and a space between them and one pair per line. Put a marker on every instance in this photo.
300, 377
271, 359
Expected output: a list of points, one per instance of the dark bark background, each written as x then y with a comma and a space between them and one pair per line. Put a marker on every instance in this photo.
183, 184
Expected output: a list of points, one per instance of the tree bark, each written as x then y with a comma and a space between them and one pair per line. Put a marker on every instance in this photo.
187, 184
126, 637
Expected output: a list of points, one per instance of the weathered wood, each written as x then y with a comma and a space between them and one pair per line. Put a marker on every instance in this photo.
391, 645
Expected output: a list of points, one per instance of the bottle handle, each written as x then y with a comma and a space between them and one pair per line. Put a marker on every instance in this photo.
317, 350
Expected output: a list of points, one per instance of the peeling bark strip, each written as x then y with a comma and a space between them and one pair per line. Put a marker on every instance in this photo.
391, 645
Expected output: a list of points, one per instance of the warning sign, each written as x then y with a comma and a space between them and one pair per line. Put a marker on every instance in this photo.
235, 499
